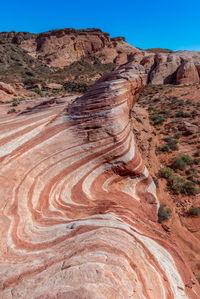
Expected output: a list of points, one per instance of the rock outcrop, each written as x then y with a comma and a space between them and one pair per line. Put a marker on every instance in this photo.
187, 73
8, 92
58, 54
59, 48
164, 69
78, 206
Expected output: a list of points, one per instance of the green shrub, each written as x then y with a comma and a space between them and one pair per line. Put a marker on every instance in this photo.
196, 161
38, 91
197, 154
191, 171
157, 119
189, 188
194, 211
13, 110
15, 103
166, 172
164, 213
182, 114
151, 108
181, 162
176, 183
163, 149
172, 144
73, 86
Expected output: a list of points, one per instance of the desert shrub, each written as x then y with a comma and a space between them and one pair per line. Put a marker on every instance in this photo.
165, 112
31, 81
157, 119
13, 110
194, 211
181, 162
182, 114
151, 108
38, 91
197, 154
189, 188
166, 172
193, 179
163, 149
15, 103
73, 86
196, 161
178, 184
191, 171
164, 213
173, 144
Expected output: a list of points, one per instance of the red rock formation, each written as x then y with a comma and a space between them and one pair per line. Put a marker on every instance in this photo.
78, 206
164, 70
59, 48
187, 73
8, 92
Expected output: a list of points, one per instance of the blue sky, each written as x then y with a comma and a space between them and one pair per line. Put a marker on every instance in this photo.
146, 24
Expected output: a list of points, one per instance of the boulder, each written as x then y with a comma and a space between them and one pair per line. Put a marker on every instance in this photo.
187, 73
7, 88
54, 86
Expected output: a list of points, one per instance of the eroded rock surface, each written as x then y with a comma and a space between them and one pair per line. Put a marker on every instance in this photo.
187, 73
8, 92
78, 207
84, 55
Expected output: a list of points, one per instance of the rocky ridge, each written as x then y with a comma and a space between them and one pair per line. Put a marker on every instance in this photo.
55, 57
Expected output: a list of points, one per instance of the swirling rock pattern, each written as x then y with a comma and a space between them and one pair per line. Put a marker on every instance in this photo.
78, 206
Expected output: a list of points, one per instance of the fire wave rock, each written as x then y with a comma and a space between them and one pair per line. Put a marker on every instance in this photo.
78, 206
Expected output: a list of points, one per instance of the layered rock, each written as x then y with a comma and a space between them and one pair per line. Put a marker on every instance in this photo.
51, 54
59, 48
8, 92
78, 206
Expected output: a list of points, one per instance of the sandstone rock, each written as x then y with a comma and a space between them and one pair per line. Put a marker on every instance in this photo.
55, 86
188, 128
164, 70
198, 68
187, 73
148, 62
59, 48
7, 88
79, 208
8, 92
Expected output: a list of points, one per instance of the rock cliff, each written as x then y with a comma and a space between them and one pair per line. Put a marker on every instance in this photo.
84, 55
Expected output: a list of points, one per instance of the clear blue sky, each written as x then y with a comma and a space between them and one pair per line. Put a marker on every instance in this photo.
145, 23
